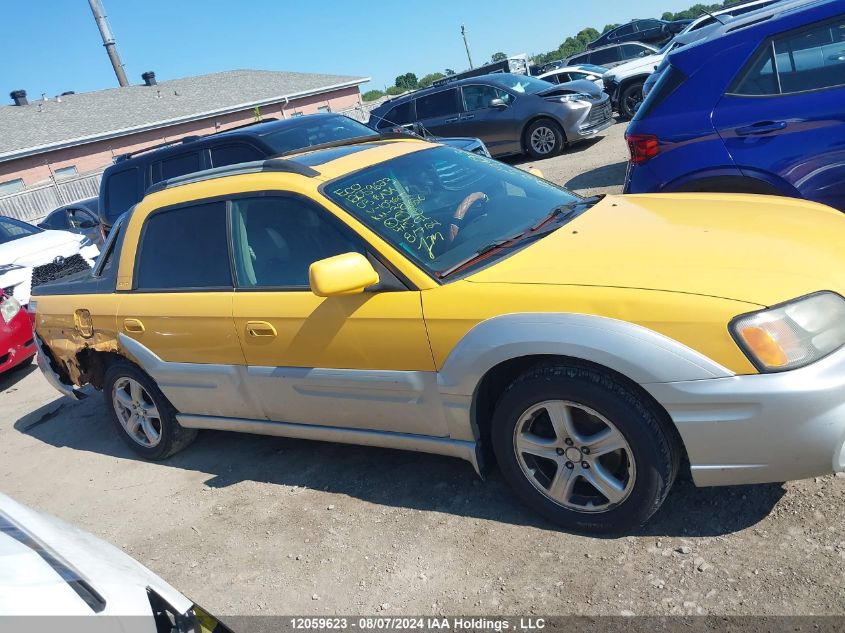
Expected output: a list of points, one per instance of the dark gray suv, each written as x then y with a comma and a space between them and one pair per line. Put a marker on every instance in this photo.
512, 114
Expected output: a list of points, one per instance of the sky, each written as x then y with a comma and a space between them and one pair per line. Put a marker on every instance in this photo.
52, 46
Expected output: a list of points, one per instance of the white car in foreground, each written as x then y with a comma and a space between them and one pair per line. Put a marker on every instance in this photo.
30, 256
50, 568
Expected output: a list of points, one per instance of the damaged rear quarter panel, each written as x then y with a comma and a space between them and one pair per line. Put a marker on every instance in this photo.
58, 330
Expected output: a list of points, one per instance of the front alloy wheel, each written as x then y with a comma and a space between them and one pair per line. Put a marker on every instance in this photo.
584, 447
574, 455
544, 138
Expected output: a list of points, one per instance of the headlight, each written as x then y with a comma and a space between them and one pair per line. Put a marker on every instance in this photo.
9, 308
576, 96
793, 334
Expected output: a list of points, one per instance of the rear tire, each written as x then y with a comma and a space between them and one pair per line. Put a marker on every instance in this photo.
144, 417
583, 448
544, 138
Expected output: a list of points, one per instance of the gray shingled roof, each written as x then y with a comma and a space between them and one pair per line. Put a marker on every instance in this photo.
91, 116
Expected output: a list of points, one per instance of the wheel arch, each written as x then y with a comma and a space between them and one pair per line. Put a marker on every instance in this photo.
733, 180
494, 382
496, 350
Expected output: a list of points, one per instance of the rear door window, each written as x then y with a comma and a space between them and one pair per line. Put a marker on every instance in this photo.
809, 59
629, 51
179, 165
184, 248
438, 104
622, 31
402, 114
605, 56
122, 191
234, 154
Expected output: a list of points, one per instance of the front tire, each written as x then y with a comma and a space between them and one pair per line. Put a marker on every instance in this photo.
631, 99
144, 417
582, 448
544, 138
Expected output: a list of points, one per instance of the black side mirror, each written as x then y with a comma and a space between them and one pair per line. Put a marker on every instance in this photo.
499, 104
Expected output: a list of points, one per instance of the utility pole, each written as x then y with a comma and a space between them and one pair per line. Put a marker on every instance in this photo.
108, 40
464, 35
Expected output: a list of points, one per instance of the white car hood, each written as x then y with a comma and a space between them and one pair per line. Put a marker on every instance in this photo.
41, 248
41, 557
636, 66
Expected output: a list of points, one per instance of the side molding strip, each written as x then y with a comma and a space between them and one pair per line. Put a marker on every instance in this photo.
461, 449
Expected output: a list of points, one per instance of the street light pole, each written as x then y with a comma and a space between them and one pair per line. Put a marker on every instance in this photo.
464, 35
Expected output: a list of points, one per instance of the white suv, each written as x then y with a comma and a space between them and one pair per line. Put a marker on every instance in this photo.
624, 83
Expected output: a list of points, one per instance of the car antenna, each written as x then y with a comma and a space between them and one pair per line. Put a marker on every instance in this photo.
715, 17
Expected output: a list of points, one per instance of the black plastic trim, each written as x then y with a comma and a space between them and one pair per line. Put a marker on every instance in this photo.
277, 165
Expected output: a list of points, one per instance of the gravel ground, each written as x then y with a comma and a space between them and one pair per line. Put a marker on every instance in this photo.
245, 524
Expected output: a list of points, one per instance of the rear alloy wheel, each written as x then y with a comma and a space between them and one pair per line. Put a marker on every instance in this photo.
544, 138
144, 416
631, 99
583, 448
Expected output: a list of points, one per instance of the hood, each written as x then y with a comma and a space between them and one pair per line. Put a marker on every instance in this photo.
41, 248
635, 66
46, 566
756, 249
569, 87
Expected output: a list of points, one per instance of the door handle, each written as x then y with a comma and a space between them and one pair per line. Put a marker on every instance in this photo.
452, 120
260, 328
763, 127
468, 117
133, 325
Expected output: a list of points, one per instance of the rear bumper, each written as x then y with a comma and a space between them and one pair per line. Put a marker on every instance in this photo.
51, 376
16, 341
761, 428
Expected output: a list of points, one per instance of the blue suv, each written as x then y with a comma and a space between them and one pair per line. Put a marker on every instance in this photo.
758, 107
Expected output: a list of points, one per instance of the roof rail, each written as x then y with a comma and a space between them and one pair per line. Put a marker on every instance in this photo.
375, 136
253, 167
186, 139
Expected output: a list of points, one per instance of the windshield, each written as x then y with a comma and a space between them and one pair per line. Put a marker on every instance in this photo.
521, 83
442, 205
11, 229
315, 132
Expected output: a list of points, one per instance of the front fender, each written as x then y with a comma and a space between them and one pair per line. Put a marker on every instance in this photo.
642, 355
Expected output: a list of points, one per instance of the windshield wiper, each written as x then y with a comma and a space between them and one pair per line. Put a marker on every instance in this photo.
564, 210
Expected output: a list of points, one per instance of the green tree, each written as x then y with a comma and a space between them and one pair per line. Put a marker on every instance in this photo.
372, 95
608, 27
449, 71
429, 79
498, 57
668, 16
408, 81
395, 90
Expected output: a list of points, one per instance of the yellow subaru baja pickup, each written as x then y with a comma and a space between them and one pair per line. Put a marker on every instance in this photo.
404, 294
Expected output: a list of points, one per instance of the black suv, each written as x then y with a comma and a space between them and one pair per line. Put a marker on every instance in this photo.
125, 182
650, 30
